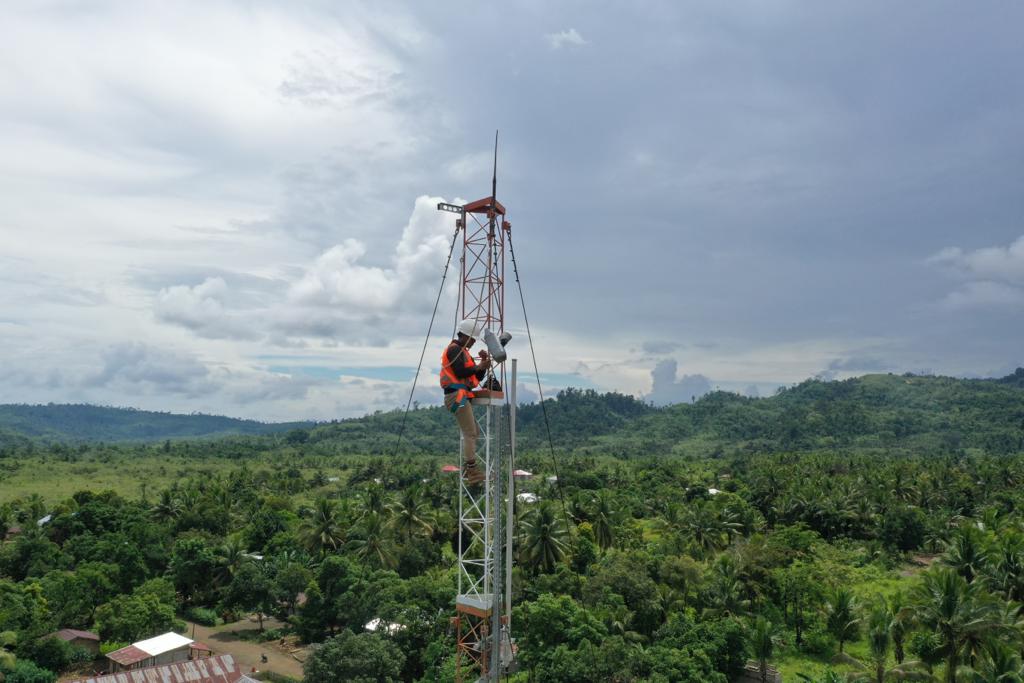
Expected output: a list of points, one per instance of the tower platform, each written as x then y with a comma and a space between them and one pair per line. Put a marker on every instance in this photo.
486, 397
478, 605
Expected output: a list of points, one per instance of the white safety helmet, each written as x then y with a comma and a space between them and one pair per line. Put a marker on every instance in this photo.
469, 328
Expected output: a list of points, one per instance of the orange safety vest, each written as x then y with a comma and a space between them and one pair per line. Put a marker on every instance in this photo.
461, 385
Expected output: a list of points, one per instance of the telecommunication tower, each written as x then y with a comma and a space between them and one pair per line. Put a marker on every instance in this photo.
482, 621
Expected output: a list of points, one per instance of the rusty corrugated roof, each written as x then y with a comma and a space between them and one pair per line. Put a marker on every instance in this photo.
219, 669
127, 656
72, 634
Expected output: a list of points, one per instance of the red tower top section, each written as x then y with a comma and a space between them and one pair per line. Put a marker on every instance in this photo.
484, 239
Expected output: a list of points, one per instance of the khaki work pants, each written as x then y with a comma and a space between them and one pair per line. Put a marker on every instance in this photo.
467, 425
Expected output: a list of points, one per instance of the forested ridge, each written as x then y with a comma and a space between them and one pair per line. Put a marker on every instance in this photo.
907, 413
83, 422
903, 412
863, 530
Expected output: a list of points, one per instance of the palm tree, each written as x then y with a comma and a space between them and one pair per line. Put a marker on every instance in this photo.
902, 489
992, 519
965, 552
410, 515
829, 676
762, 642
35, 506
707, 529
543, 538
725, 598
957, 611
371, 500
879, 644
899, 625
231, 555
668, 527
999, 665
1005, 567
189, 499
840, 616
727, 594
223, 497
370, 543
322, 531
167, 507
602, 517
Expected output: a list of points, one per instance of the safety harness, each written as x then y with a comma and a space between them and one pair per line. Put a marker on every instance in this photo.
462, 386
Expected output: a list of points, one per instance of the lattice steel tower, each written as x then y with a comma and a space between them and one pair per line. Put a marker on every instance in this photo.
484, 647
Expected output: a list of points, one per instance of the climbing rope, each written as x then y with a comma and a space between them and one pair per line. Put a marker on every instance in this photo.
543, 406
423, 353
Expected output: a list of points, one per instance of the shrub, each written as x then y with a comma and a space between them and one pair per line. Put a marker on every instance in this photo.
53, 654
272, 677
27, 672
106, 647
272, 634
818, 642
348, 657
203, 615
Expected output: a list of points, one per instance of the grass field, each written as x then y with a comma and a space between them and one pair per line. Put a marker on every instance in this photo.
130, 475
56, 480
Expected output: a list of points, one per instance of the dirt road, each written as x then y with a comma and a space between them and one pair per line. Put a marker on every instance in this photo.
225, 640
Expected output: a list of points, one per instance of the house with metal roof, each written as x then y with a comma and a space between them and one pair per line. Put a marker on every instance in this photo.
163, 649
83, 639
219, 669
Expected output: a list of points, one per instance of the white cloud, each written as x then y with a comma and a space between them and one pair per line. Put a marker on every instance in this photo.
990, 263
340, 279
568, 37
984, 294
159, 205
341, 297
201, 309
994, 276
667, 388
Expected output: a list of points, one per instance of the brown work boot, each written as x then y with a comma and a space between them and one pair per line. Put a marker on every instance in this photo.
472, 474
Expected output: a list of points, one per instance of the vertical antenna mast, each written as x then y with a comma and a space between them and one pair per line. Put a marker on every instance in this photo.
494, 176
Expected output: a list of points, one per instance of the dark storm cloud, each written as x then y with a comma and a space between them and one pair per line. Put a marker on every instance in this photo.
860, 364
762, 172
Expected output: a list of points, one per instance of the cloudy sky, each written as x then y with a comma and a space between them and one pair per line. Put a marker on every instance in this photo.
228, 207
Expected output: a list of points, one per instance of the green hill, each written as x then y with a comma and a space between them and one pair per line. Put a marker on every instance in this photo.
882, 412
75, 422
911, 413
915, 413
576, 416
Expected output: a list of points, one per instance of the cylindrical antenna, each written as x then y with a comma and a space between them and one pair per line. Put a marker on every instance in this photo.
494, 177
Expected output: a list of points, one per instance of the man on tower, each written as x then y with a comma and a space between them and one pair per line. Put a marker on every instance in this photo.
459, 375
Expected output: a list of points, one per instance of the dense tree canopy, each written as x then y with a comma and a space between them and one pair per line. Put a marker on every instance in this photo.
870, 527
